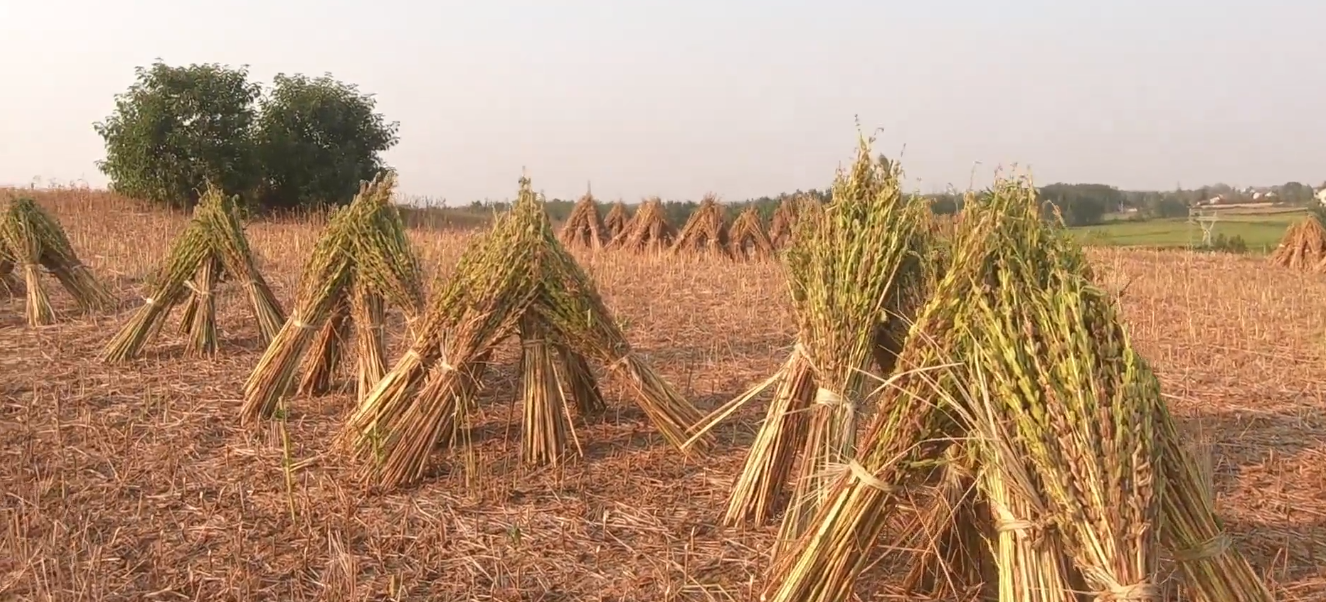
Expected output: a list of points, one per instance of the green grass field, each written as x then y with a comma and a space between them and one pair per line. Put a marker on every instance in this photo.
1261, 231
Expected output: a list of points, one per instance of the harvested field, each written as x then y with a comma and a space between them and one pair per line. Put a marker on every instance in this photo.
137, 482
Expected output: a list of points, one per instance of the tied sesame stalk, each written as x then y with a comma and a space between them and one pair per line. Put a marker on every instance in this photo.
32, 239
369, 310
950, 531
324, 354
573, 309
747, 238
908, 430
213, 242
757, 493
362, 264
1081, 405
705, 231
229, 245
326, 277
547, 422
850, 269
416, 404
648, 230
582, 386
1192, 532
584, 227
190, 251
1083, 408
1028, 558
201, 310
24, 243
616, 221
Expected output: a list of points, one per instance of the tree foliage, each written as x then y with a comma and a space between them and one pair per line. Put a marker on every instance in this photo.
308, 142
177, 127
317, 138
1081, 204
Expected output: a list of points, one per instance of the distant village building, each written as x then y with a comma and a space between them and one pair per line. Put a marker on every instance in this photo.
1321, 196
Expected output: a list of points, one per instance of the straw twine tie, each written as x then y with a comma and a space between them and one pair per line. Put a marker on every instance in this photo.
1138, 592
860, 473
829, 398
1205, 550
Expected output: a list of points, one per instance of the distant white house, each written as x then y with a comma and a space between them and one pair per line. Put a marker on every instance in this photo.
1321, 196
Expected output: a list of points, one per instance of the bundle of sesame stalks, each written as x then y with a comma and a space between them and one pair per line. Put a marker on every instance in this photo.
1303, 246
584, 227
851, 268
1018, 358
362, 264
212, 247
32, 239
705, 231
785, 219
746, 237
616, 220
649, 230
515, 280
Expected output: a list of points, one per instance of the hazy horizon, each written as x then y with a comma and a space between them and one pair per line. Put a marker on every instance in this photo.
739, 98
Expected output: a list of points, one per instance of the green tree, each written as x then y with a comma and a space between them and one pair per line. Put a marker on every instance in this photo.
177, 127
1081, 204
1295, 192
317, 139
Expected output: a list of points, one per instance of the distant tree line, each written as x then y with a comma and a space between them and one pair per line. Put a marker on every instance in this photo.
1076, 204
302, 142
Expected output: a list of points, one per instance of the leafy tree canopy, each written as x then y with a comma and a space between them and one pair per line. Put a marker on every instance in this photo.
307, 142
317, 139
177, 127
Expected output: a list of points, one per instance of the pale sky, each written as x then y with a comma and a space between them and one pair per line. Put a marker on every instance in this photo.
738, 97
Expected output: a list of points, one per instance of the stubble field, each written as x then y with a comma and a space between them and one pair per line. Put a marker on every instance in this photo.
136, 481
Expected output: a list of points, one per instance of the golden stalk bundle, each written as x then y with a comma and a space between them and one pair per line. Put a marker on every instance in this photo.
584, 227
516, 279
850, 268
746, 237
649, 230
1076, 459
212, 246
32, 239
362, 263
582, 387
705, 231
616, 221
1303, 246
167, 288
1193, 533
369, 311
325, 352
823, 563
201, 317
547, 421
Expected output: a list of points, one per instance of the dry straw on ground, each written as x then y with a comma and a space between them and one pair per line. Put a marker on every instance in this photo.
584, 227
649, 230
362, 265
211, 247
1303, 246
515, 280
32, 240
